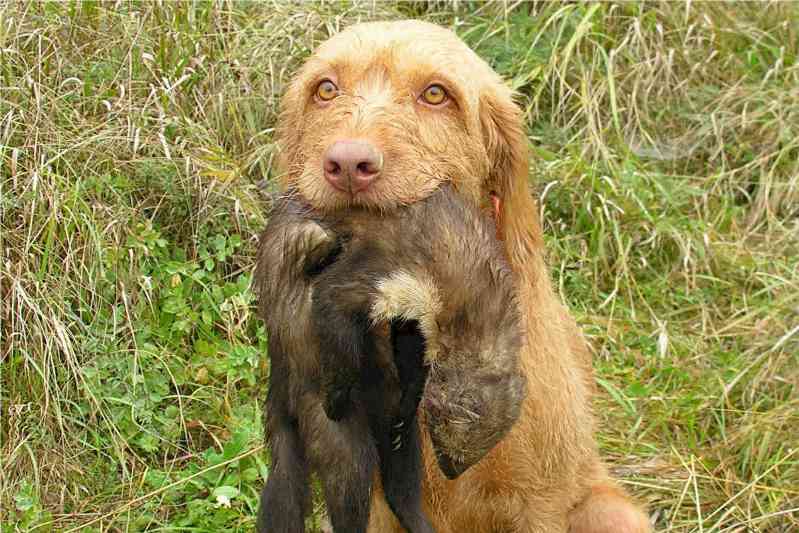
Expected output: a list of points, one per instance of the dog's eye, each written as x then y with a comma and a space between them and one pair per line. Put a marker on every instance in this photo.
326, 90
434, 95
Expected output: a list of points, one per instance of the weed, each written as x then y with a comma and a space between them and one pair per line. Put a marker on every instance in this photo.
135, 140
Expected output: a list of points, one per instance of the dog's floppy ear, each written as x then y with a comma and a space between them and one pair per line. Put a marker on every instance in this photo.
506, 146
288, 135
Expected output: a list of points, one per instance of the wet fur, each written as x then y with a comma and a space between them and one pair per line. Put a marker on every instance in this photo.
546, 474
398, 270
435, 263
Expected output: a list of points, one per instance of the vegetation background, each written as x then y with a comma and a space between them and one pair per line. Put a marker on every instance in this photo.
135, 146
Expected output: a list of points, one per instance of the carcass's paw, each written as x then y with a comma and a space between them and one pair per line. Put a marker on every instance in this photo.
314, 235
319, 245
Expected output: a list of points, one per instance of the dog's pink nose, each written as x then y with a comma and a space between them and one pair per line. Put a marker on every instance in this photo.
352, 165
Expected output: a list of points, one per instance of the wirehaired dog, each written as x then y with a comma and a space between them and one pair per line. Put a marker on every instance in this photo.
380, 116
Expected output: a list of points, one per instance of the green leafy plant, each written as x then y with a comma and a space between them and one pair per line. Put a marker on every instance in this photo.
135, 140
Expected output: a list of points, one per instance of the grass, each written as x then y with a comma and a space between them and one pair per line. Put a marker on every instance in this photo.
135, 141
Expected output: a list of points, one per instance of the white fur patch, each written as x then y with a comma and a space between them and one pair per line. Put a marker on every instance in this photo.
406, 296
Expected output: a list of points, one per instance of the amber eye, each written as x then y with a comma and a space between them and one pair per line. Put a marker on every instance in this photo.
434, 95
326, 90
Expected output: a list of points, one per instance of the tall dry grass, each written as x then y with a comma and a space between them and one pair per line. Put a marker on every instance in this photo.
135, 141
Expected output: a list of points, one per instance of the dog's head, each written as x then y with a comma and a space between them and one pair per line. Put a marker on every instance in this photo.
383, 113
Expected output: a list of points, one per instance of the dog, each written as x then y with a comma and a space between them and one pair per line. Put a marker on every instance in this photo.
380, 116
340, 279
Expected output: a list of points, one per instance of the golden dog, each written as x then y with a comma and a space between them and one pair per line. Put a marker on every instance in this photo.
380, 116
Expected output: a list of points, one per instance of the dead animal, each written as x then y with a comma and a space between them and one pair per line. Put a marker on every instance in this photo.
367, 314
